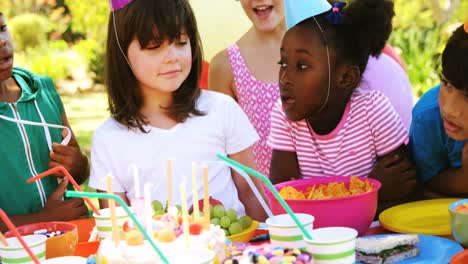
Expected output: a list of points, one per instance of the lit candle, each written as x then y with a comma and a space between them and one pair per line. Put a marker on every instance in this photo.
115, 227
196, 208
206, 199
148, 209
185, 221
136, 180
169, 182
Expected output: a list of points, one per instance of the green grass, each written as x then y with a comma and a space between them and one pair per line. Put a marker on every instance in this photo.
85, 112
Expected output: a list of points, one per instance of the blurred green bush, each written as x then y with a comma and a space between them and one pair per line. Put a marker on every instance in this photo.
29, 30
93, 53
52, 59
421, 40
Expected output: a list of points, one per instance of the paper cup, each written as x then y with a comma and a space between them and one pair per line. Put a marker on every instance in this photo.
333, 245
15, 253
285, 233
65, 260
459, 222
104, 223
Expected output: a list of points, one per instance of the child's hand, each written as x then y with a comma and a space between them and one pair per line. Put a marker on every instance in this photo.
397, 175
70, 157
63, 210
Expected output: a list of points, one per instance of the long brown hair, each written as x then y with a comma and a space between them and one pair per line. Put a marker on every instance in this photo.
140, 19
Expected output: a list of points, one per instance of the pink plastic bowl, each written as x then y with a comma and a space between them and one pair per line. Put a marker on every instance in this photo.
355, 211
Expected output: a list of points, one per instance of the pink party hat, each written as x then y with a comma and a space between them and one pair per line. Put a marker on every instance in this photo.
117, 4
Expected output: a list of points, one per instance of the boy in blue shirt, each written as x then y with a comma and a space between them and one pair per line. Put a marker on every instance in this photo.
439, 127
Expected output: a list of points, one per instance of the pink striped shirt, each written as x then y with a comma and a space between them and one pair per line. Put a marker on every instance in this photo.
369, 128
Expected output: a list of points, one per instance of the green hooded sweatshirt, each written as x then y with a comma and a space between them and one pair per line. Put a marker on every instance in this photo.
24, 151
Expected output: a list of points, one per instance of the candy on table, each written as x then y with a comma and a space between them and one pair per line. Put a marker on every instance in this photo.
47, 233
269, 255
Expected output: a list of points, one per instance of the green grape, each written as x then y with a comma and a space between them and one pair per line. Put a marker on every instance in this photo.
226, 232
224, 222
235, 228
218, 211
157, 205
245, 221
159, 212
215, 221
231, 213
212, 212
179, 208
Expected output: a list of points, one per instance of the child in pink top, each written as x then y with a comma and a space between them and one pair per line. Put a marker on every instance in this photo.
248, 69
323, 125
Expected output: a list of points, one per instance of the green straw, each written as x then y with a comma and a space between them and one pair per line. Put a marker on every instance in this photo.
119, 200
272, 189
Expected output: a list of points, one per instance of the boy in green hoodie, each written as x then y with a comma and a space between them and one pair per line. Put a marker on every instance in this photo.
28, 150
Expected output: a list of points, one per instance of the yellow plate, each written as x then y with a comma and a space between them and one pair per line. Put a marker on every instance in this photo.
430, 217
245, 235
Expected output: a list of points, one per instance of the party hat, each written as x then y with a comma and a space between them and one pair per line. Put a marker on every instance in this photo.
117, 4
299, 10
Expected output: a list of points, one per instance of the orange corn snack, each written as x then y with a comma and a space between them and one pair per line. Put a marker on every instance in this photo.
327, 191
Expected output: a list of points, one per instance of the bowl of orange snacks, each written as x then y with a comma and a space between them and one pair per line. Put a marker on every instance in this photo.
333, 201
459, 221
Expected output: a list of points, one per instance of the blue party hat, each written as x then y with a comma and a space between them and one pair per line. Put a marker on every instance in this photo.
299, 10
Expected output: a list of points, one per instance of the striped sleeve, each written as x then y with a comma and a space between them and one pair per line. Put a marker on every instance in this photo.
387, 128
281, 136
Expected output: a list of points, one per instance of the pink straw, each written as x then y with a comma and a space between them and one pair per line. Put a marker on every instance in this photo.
70, 178
15, 232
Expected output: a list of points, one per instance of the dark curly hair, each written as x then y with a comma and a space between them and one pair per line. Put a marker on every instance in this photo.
365, 29
455, 59
139, 19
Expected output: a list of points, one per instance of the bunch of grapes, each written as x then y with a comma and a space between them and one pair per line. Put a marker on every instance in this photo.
228, 220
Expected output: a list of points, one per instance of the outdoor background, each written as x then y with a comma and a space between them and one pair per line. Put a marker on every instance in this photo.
65, 40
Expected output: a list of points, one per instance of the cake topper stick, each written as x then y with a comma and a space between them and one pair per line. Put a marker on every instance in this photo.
15, 232
121, 202
206, 199
70, 178
3, 240
185, 221
272, 189
115, 226
169, 182
136, 180
148, 208
196, 208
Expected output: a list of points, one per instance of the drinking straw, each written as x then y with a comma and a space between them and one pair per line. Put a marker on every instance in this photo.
254, 189
15, 232
3, 240
119, 200
70, 178
272, 189
115, 226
